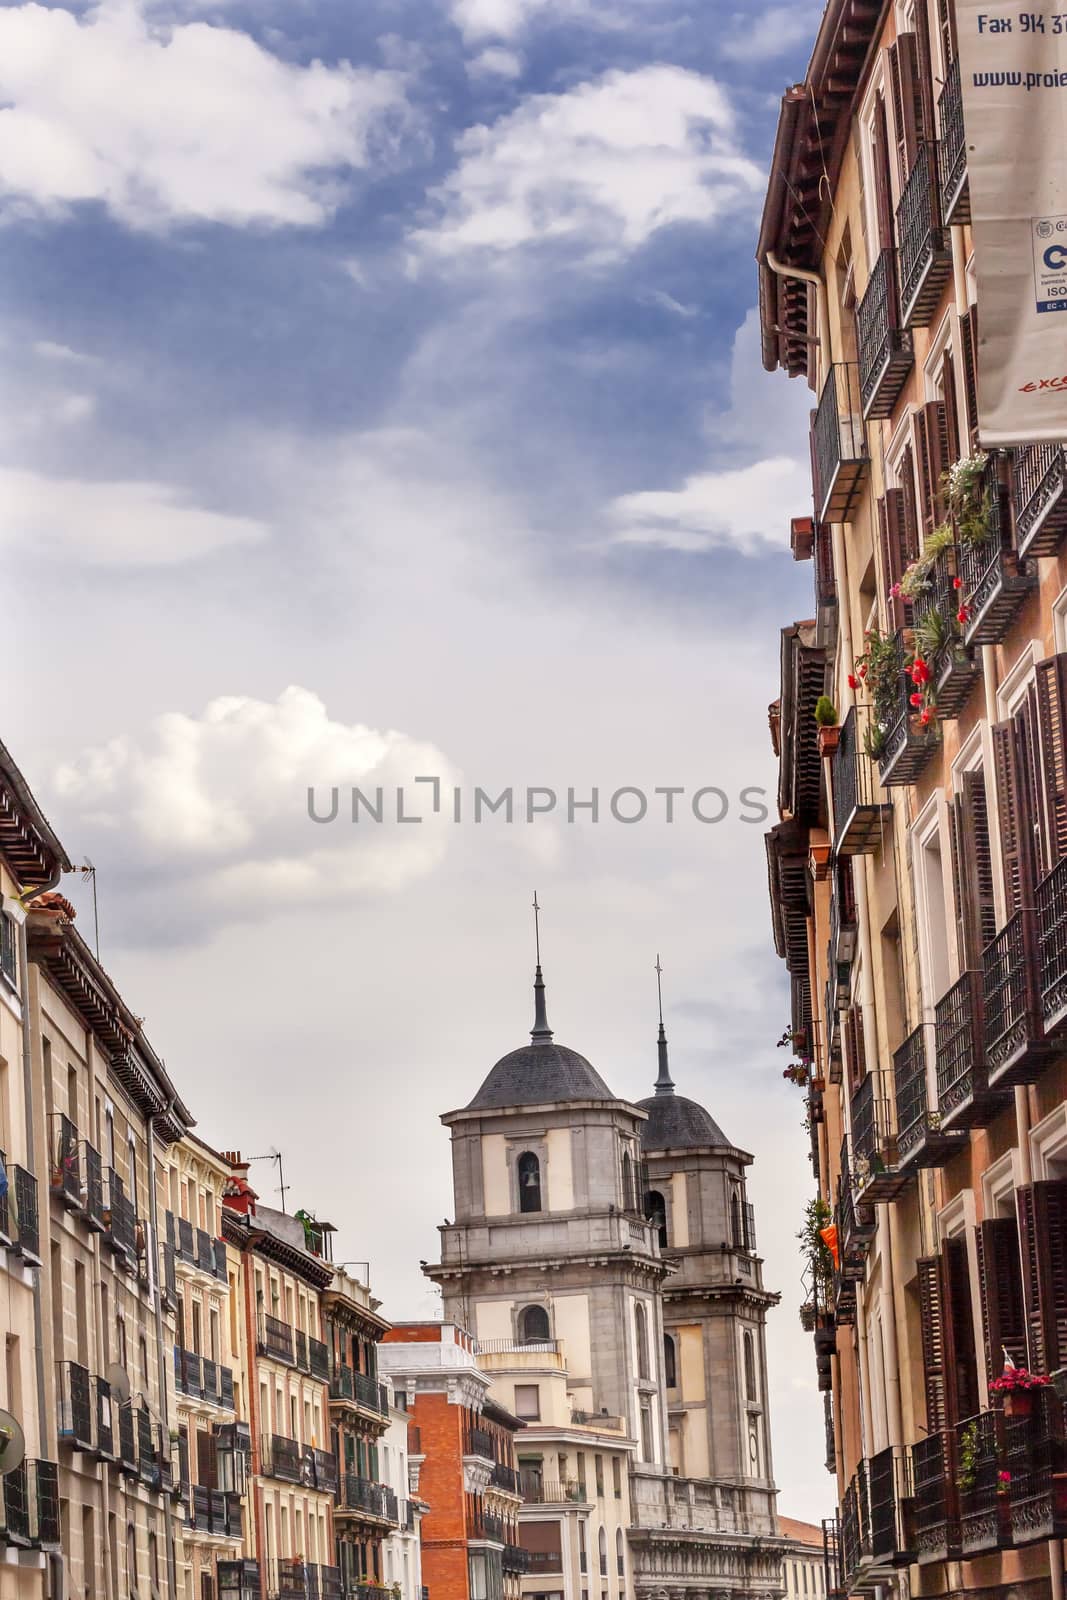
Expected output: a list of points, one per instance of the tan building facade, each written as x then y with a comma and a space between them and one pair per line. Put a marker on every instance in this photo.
917, 877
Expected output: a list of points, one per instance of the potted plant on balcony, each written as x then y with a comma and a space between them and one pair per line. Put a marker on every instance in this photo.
1017, 1385
826, 720
968, 498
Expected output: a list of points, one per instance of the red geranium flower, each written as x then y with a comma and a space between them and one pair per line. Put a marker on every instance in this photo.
925, 717
957, 583
963, 614
853, 681
916, 699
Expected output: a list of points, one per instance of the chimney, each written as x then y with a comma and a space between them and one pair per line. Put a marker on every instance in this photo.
237, 1193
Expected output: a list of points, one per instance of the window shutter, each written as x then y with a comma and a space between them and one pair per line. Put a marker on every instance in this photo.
892, 525
1011, 816
978, 854
1027, 741
1051, 679
932, 431
946, 22
968, 350
205, 1459
1001, 1287
932, 1327
952, 411
1043, 1230
924, 70
856, 1047
907, 101
911, 534
961, 1367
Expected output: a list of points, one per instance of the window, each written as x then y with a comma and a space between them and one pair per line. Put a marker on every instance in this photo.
620, 1553
528, 1401
598, 1464
583, 1557
737, 1236
641, 1326
616, 1477
670, 1362
8, 946
646, 1430
153, 1562
751, 1392
131, 1558
603, 1542
656, 1213
529, 1171
579, 1471
533, 1325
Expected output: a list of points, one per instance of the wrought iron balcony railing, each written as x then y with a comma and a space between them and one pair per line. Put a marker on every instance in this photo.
922, 1141
361, 1388
505, 1477
318, 1359
823, 560
995, 585
832, 1562
538, 1491
964, 1098
515, 1560
934, 1516
876, 1170
855, 1526
29, 1506
904, 746
1016, 1050
480, 1443
19, 1219
325, 1466
925, 254
952, 152
1052, 948
238, 1579
275, 1338
126, 1441
889, 1494
861, 813
985, 1508
954, 665
1035, 1459
1039, 478
885, 348
203, 1379
840, 457
120, 1220
365, 1497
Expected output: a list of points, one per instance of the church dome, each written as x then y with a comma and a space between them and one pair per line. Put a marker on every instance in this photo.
539, 1074
675, 1123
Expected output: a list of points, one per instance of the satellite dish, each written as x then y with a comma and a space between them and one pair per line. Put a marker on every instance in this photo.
118, 1381
12, 1443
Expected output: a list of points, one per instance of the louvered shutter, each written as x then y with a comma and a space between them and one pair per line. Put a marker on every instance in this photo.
969, 352
911, 531
961, 1367
907, 101
1043, 1231
932, 434
958, 844
205, 1460
883, 185
1012, 817
924, 70
1001, 1287
946, 22
1028, 744
932, 1326
893, 528
1051, 681
952, 412
856, 1046
972, 872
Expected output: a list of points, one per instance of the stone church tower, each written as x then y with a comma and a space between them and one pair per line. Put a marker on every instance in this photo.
602, 1253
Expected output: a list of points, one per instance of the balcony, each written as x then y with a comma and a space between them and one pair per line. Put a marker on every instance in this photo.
359, 1388
825, 577
954, 666
861, 814
840, 458
924, 257
318, 1359
213, 1512
120, 1221
84, 1411
488, 1525
200, 1378
238, 1579
1052, 948
985, 1510
994, 585
934, 1518
955, 191
363, 1497
284, 1459
515, 1561
889, 1498
903, 745
29, 1506
127, 1441
65, 1179
19, 1221
275, 1338
195, 1247
921, 1139
1035, 1457
479, 1443
964, 1098
1016, 1051
885, 352
549, 1492
855, 1526
325, 1469
505, 1478
1038, 478
876, 1170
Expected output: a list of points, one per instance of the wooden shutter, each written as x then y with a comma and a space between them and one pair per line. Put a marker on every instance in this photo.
1043, 1231
906, 85
934, 458
1028, 744
946, 22
1051, 680
1012, 817
924, 68
952, 411
911, 533
969, 352
972, 871
932, 1327
883, 184
961, 1366
855, 1046
893, 530
1000, 1284
205, 1460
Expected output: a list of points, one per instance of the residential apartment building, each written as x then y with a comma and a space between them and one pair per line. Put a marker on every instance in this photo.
803, 1563
918, 870
462, 1446
402, 1547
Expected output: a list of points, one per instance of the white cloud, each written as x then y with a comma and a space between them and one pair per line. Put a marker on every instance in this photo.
191, 123
113, 522
496, 62
49, 351
602, 166
667, 302
217, 805
772, 34
503, 19
747, 507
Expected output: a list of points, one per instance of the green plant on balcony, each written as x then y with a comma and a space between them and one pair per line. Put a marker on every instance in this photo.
968, 499
915, 579
825, 712
819, 1263
969, 1456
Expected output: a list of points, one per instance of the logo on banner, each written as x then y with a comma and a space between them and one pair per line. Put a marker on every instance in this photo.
1050, 263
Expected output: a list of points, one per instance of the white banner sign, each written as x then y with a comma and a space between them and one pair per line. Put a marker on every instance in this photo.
1013, 72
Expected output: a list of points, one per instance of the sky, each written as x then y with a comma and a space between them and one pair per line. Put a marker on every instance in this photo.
380, 398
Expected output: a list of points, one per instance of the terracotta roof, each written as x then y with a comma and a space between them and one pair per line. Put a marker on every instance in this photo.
800, 1532
53, 901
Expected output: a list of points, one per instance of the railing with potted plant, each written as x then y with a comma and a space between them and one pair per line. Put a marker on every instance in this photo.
885, 348
921, 1139
19, 1221
1035, 1465
985, 1506
840, 458
876, 1170
924, 254
993, 584
955, 193
859, 806
939, 615
1039, 492
903, 731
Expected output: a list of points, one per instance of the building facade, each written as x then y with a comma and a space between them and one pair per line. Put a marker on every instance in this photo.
917, 870
461, 1459
556, 1260
402, 1547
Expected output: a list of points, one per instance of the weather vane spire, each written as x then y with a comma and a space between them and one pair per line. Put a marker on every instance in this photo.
664, 1082
541, 1032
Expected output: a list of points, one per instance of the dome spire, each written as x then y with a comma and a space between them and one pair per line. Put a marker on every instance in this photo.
664, 1083
541, 1033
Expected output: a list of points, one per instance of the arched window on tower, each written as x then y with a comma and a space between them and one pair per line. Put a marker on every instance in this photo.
533, 1325
736, 1229
529, 1182
641, 1324
628, 1182
751, 1392
670, 1362
620, 1553
656, 1213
